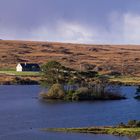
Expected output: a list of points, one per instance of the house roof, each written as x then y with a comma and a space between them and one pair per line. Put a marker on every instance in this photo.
29, 65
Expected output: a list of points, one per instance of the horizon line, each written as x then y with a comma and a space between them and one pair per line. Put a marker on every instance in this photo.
74, 43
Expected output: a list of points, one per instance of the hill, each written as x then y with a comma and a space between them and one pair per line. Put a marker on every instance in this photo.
106, 58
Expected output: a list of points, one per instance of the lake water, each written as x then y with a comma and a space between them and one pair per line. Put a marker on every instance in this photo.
22, 115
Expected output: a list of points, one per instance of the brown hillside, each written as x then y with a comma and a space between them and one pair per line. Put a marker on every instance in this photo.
104, 57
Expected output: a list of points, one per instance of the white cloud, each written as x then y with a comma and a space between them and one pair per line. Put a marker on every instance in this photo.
76, 33
132, 28
65, 32
121, 29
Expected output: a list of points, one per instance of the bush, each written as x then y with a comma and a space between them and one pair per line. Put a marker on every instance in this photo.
130, 124
133, 123
115, 73
22, 81
55, 92
89, 74
85, 93
69, 95
122, 125
82, 93
138, 124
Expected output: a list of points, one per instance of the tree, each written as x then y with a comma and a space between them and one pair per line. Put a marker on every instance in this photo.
52, 72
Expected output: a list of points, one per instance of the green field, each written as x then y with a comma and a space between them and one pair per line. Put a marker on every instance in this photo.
20, 73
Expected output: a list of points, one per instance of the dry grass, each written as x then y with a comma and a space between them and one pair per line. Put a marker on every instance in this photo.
126, 80
110, 57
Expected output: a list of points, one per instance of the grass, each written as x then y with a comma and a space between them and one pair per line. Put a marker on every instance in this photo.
126, 80
72, 55
20, 73
100, 130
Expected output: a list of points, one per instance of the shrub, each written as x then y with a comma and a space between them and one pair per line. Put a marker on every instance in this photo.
82, 93
85, 93
138, 124
16, 80
122, 125
89, 74
69, 95
55, 92
132, 123
22, 81
114, 73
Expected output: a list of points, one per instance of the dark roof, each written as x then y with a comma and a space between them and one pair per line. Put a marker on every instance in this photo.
29, 65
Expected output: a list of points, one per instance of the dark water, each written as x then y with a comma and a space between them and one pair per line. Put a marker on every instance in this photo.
22, 114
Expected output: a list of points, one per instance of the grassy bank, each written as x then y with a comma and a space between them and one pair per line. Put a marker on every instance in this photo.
20, 73
132, 128
100, 130
18, 80
126, 80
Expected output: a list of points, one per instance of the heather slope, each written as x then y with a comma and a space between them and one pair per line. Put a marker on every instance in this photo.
106, 58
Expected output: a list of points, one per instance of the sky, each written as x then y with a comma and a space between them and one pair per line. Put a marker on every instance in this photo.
74, 21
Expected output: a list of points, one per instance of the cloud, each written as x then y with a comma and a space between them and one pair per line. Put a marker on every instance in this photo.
64, 32
121, 29
124, 28
132, 28
74, 32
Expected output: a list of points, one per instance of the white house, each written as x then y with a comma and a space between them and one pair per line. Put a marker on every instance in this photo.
27, 67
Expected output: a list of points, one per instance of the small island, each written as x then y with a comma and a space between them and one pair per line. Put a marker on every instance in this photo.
67, 84
132, 128
64, 83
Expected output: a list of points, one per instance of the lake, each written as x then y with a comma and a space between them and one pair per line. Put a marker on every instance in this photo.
22, 115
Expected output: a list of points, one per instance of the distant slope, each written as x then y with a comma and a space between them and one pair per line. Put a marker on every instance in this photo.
106, 57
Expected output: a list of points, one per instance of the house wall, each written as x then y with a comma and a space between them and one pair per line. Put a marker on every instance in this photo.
19, 68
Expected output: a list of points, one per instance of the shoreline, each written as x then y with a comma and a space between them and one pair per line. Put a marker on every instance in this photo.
19, 80
125, 80
35, 80
99, 130
38, 83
